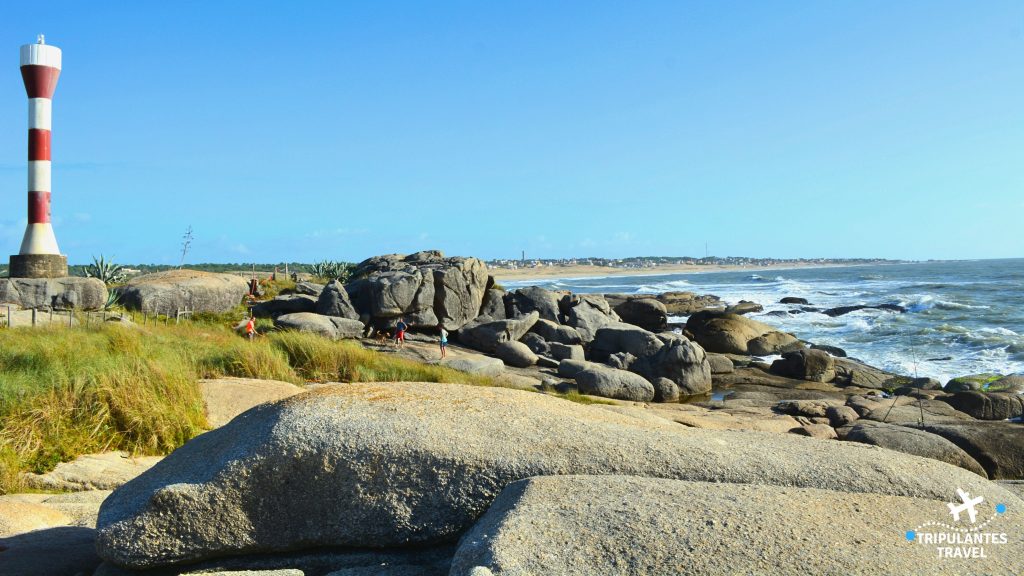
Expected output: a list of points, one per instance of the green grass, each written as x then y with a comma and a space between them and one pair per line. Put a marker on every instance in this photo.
66, 392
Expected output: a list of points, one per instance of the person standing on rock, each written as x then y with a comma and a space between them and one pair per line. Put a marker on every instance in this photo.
400, 329
444, 339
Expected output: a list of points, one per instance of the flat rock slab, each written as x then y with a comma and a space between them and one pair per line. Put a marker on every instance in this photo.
384, 465
70, 292
18, 517
912, 441
73, 508
104, 471
638, 526
226, 398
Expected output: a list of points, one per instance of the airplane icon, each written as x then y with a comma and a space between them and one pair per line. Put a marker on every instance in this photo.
968, 505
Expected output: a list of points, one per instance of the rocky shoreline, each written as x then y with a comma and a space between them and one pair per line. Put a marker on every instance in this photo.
692, 464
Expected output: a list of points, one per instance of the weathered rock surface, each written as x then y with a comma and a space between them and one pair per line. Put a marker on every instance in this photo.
720, 364
813, 365
58, 551
396, 464
287, 304
459, 286
328, 326
621, 337
997, 446
912, 441
485, 334
493, 304
686, 303
533, 298
987, 406
475, 365
334, 300
680, 361
645, 312
912, 411
309, 288
515, 354
695, 528
566, 351
587, 313
17, 517
554, 332
226, 398
50, 293
731, 333
614, 383
167, 292
744, 307
92, 472
849, 372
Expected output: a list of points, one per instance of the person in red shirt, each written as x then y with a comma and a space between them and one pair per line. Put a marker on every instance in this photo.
250, 327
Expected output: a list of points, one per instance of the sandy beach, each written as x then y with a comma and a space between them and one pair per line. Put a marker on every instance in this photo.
549, 272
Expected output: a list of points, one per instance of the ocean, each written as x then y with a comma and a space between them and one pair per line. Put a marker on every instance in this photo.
963, 317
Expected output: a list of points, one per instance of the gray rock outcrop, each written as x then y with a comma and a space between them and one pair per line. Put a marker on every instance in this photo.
167, 292
912, 441
334, 300
813, 365
621, 337
645, 312
587, 313
637, 526
484, 334
286, 304
493, 304
987, 406
515, 354
328, 326
533, 298
380, 465
54, 293
734, 334
554, 332
614, 383
681, 362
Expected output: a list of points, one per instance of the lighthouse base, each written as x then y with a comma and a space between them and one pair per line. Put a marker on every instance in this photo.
38, 266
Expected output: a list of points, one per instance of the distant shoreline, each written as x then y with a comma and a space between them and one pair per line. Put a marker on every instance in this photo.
568, 272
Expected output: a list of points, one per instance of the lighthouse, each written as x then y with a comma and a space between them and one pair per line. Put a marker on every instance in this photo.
39, 256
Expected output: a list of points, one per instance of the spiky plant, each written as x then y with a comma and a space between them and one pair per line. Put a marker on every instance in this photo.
104, 271
331, 270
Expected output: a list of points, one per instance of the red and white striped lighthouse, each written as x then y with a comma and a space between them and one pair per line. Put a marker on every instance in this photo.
39, 256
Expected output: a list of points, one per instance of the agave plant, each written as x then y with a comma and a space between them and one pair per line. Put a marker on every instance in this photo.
331, 270
104, 271
113, 299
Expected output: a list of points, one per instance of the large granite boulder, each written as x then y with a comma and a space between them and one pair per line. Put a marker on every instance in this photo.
378, 465
681, 362
309, 288
560, 351
912, 441
735, 334
614, 383
51, 293
168, 292
850, 372
533, 298
987, 406
910, 411
334, 300
643, 311
621, 337
636, 526
554, 332
493, 304
287, 304
813, 365
328, 326
997, 446
515, 354
485, 334
459, 286
587, 313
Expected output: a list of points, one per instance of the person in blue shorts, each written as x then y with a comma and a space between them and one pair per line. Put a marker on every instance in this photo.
444, 339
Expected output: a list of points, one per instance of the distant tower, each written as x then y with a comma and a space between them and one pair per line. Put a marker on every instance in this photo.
39, 256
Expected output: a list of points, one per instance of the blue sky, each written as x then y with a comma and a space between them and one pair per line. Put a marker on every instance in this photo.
311, 130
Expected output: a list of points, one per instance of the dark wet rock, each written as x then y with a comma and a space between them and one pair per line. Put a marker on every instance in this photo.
912, 441
535, 343
793, 300
814, 365
987, 405
997, 446
841, 310
833, 350
744, 307
1013, 383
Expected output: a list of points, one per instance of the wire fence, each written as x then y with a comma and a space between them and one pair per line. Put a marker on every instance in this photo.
69, 317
